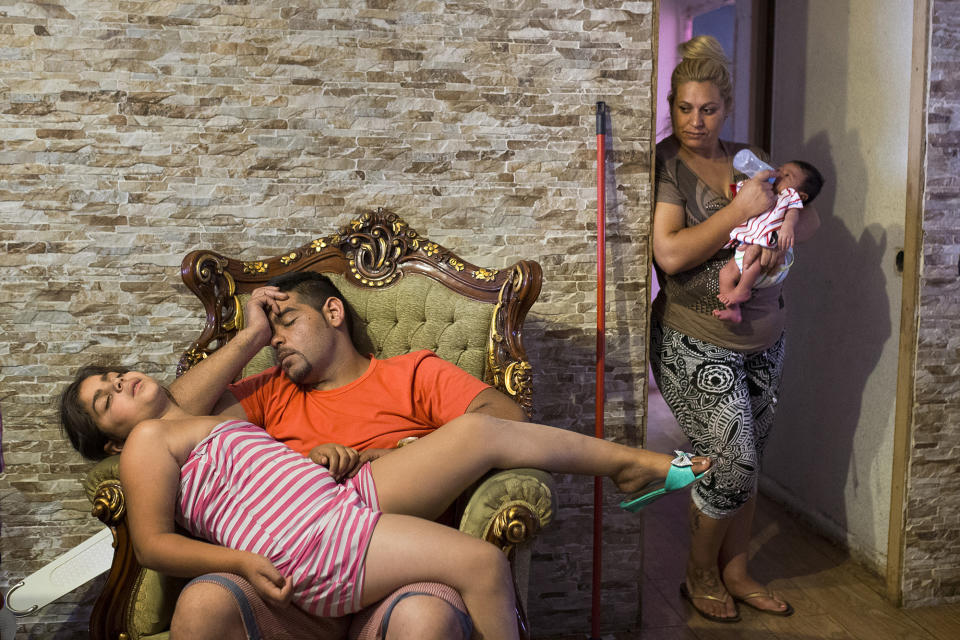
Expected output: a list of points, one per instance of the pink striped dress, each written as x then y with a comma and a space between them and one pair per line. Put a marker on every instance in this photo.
760, 228
242, 489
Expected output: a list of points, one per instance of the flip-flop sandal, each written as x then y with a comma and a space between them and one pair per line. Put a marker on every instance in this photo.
690, 597
765, 594
679, 476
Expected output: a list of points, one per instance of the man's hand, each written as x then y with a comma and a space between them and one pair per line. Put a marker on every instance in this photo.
342, 462
269, 583
256, 313
203, 389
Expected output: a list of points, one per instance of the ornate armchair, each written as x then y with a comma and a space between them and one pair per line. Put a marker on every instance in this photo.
407, 293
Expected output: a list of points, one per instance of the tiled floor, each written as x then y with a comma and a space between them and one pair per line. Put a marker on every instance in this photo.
834, 597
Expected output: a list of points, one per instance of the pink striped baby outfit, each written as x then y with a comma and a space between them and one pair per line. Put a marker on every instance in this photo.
242, 489
760, 228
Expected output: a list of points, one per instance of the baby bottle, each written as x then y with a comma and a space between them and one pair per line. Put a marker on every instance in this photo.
747, 162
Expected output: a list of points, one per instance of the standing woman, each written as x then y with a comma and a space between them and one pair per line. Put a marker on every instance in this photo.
720, 380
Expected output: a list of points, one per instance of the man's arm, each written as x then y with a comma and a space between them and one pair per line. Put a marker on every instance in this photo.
202, 390
497, 404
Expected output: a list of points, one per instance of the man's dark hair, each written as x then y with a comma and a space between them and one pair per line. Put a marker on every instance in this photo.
315, 289
812, 182
77, 423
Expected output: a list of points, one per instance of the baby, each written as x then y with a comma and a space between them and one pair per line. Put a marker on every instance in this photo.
797, 182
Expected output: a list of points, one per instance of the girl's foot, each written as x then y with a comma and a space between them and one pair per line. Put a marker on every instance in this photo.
680, 476
648, 467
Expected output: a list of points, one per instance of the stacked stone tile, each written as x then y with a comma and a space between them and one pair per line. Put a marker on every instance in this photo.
134, 132
931, 573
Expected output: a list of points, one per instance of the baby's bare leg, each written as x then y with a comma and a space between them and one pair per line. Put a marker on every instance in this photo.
728, 278
749, 277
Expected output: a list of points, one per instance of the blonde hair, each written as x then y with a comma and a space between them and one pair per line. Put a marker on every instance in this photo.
703, 60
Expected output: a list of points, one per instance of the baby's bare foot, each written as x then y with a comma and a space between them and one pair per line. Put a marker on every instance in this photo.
730, 314
737, 296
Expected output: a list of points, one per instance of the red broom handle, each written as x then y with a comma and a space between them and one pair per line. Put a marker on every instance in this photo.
601, 358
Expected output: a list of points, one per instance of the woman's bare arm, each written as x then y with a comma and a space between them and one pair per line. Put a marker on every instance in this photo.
678, 247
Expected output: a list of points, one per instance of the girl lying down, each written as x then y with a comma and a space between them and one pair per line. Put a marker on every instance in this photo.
289, 527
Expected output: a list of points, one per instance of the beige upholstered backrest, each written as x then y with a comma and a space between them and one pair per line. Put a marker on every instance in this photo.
416, 313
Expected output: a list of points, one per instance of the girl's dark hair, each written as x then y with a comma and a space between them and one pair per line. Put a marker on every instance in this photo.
76, 422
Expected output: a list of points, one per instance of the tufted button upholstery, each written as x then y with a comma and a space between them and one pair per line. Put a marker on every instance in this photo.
394, 321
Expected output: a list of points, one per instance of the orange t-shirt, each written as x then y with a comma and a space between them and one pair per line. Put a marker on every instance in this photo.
407, 395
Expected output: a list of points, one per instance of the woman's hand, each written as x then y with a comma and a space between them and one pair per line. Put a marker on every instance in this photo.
755, 196
269, 583
341, 461
770, 259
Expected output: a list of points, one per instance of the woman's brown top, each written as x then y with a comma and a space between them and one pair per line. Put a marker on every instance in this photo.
686, 300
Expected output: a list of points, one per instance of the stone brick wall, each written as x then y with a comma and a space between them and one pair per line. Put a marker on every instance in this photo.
132, 132
932, 548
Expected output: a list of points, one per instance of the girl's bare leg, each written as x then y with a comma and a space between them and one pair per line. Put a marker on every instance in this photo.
404, 550
422, 478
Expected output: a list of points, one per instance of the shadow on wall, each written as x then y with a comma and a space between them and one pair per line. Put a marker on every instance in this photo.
836, 294
838, 322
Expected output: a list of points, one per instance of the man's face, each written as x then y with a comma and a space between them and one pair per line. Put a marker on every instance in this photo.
303, 339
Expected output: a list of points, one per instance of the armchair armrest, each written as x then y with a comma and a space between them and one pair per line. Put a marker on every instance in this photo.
508, 509
135, 602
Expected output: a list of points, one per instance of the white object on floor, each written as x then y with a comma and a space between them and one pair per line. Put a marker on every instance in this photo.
81, 564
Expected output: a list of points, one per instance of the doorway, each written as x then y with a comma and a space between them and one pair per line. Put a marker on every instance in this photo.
745, 30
